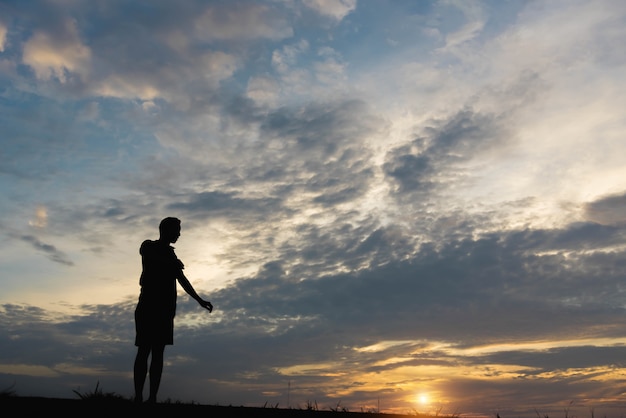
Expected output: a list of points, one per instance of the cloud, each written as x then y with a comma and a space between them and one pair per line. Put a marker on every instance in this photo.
286, 57
59, 55
245, 22
303, 145
74, 347
215, 203
452, 290
465, 34
141, 78
436, 158
53, 253
263, 90
474, 14
145, 59
3, 36
41, 218
335, 9
608, 210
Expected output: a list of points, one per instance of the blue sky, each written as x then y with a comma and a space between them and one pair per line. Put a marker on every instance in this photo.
417, 205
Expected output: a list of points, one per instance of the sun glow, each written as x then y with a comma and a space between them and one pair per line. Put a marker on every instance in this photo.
423, 399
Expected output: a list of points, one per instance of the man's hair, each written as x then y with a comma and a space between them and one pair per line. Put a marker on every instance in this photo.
168, 224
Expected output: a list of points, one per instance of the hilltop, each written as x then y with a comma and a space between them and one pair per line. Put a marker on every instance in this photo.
32, 407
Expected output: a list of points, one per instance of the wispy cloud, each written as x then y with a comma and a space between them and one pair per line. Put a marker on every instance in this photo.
49, 250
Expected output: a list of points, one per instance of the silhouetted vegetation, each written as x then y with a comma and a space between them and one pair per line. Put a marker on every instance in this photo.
7, 392
99, 395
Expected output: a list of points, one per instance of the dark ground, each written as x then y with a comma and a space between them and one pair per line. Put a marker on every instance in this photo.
18, 406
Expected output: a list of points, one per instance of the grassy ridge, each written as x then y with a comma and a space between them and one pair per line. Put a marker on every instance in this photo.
101, 404
36, 407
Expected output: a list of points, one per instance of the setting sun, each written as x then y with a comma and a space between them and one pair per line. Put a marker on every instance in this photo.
423, 399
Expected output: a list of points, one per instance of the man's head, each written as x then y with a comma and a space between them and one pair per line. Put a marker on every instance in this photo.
169, 229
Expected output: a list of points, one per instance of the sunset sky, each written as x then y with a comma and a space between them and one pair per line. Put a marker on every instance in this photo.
397, 204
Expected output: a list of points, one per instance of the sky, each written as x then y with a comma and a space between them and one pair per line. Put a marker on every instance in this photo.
404, 206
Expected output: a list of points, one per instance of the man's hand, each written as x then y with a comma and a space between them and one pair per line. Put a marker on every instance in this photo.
207, 305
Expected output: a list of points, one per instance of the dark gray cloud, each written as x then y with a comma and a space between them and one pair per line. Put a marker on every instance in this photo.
607, 210
221, 204
52, 252
433, 159
504, 281
559, 358
317, 148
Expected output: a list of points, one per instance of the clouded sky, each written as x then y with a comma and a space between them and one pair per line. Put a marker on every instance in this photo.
386, 201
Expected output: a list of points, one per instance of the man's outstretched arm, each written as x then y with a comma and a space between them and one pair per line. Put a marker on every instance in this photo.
184, 282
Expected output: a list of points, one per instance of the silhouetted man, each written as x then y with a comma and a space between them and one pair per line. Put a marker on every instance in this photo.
154, 315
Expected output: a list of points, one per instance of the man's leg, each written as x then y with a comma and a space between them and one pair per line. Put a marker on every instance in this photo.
140, 371
156, 369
